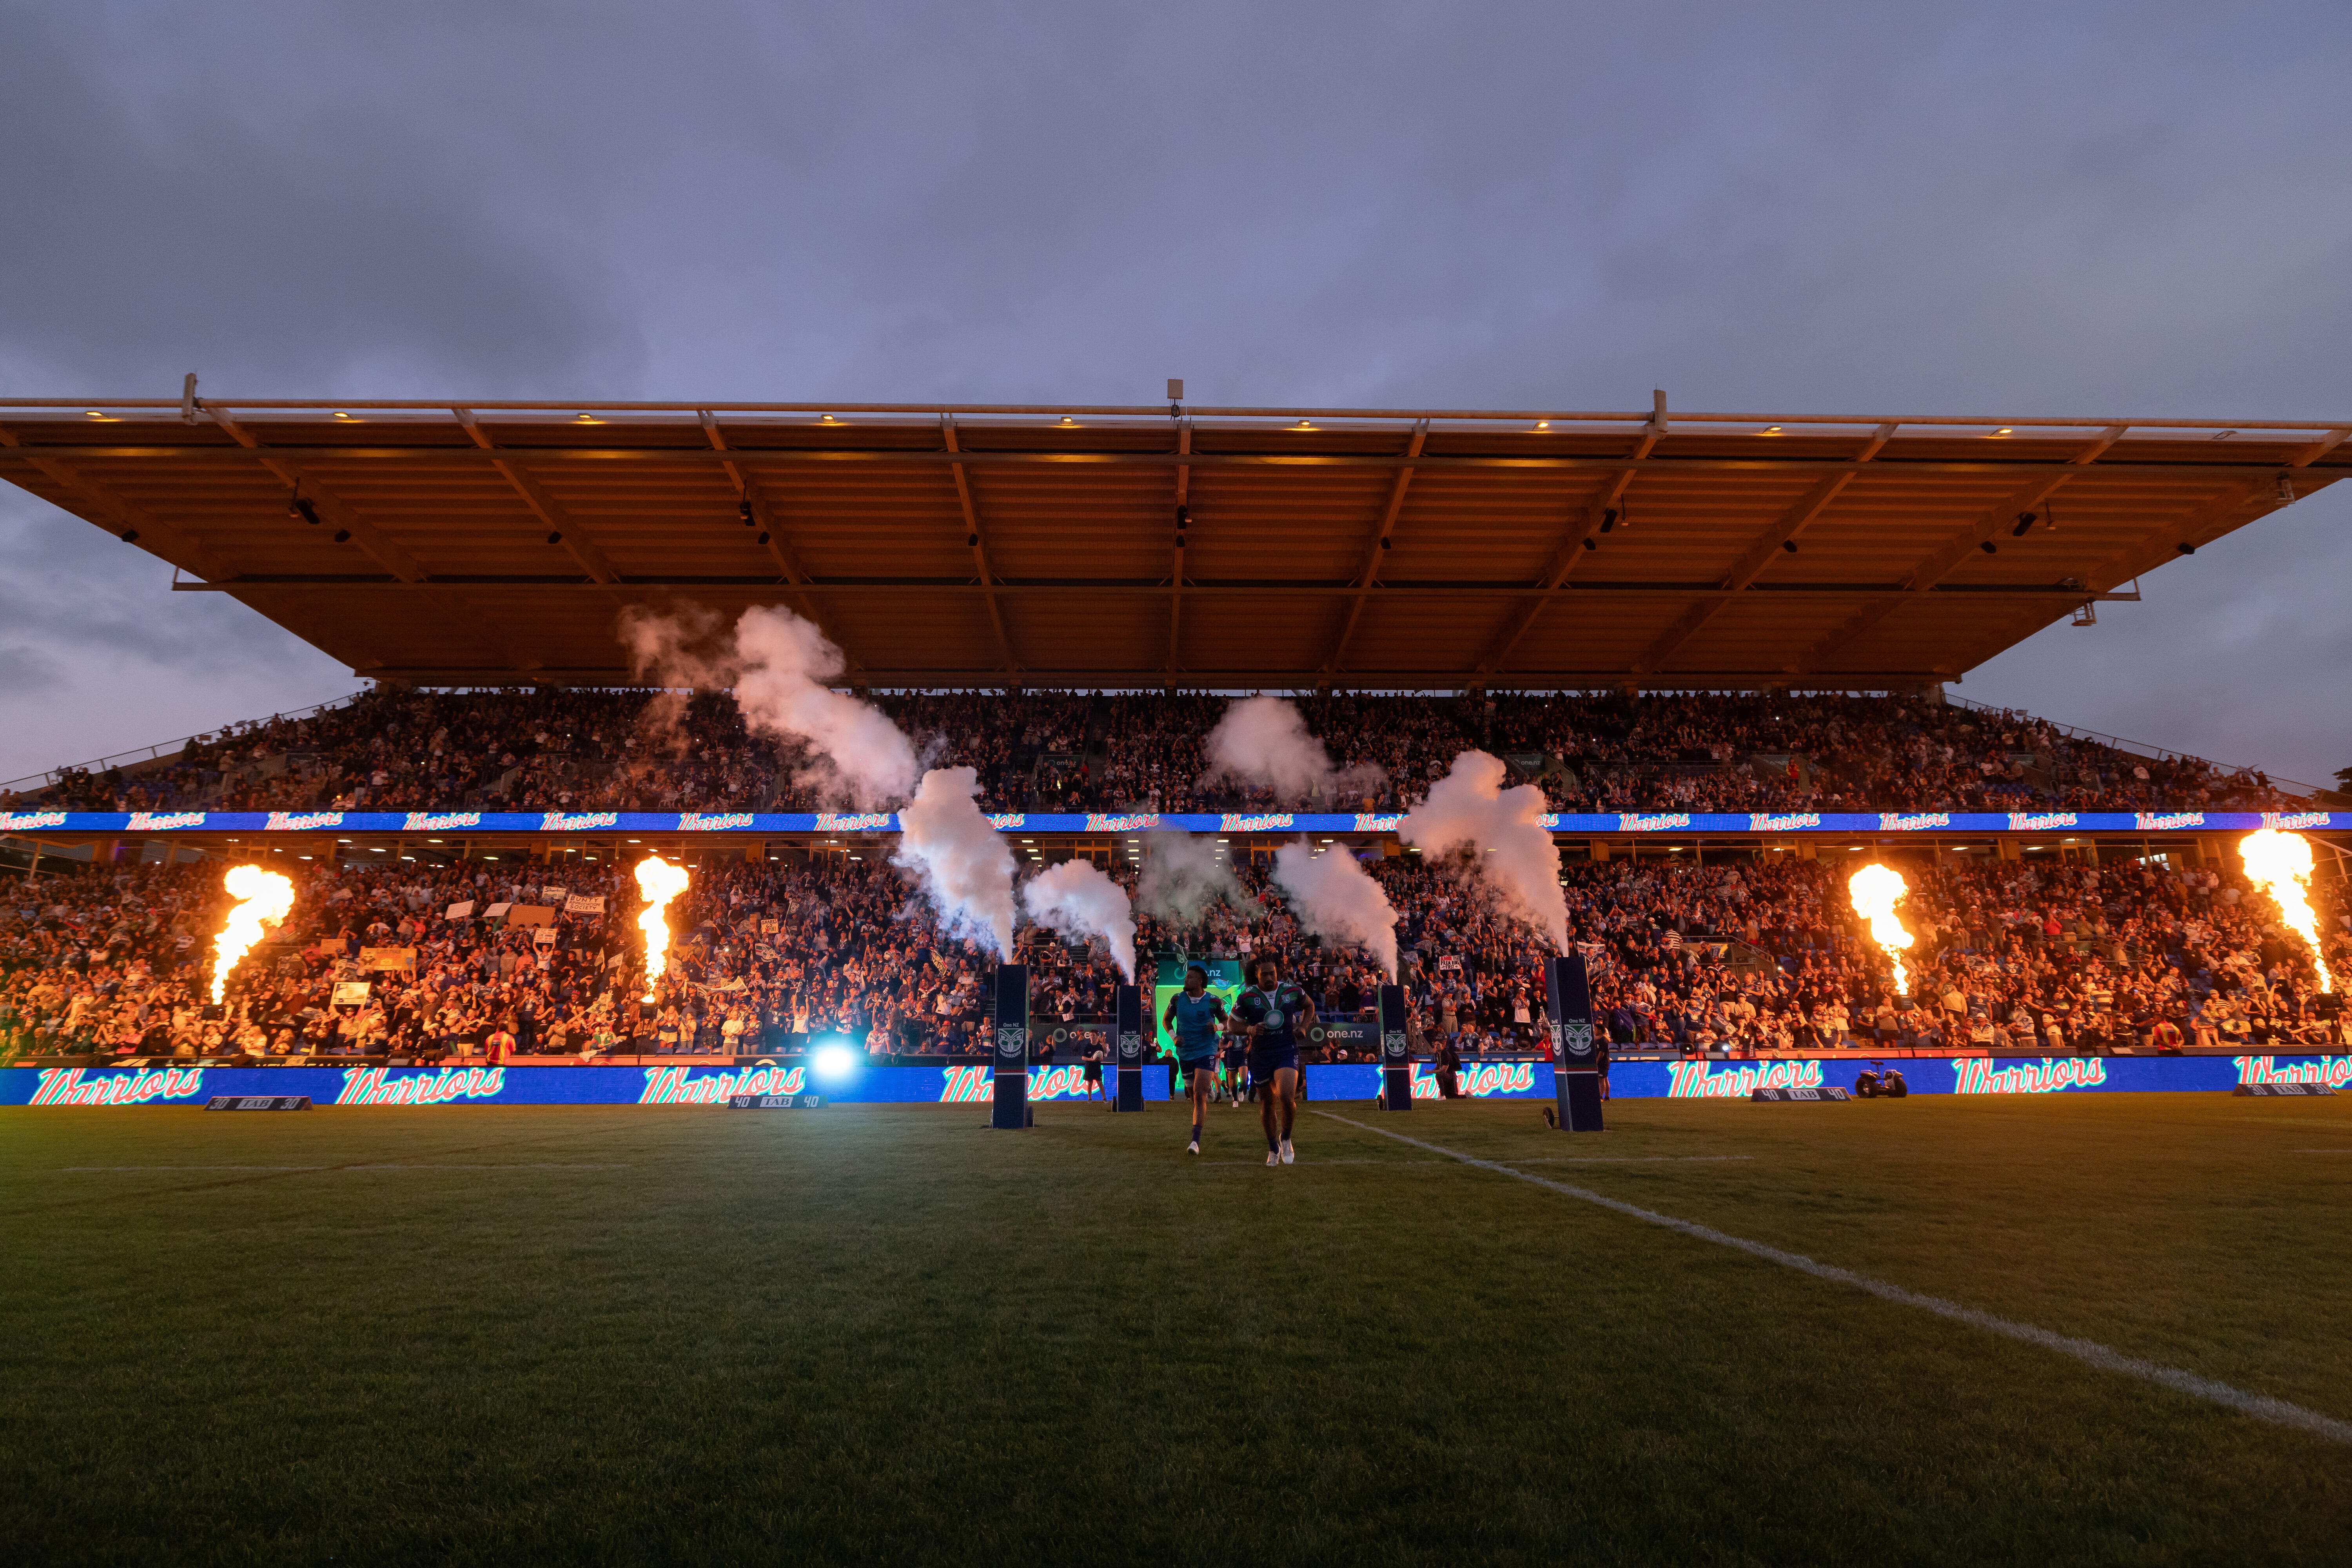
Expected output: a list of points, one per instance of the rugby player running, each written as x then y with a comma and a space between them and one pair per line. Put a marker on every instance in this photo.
1267, 1014
1193, 1017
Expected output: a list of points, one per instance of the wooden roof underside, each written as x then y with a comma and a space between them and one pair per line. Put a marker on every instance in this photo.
1140, 547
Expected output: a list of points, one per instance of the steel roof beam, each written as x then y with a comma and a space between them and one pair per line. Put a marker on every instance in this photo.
389, 552
977, 538
161, 537
574, 538
507, 458
1377, 547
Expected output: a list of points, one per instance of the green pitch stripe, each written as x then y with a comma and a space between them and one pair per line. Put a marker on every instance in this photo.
2260, 1406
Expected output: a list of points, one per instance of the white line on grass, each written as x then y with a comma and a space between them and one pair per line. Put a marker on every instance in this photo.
510, 1165
1638, 1160
2260, 1406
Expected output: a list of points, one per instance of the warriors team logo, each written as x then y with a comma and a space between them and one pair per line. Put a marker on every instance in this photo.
162, 821
1766, 822
573, 821
2039, 821
439, 821
1975, 1074
1576, 1039
682, 1086
1704, 1080
853, 821
1490, 1081
2166, 821
2291, 820
1654, 824
698, 822
1393, 1045
2335, 1072
1131, 1045
71, 1085
18, 821
1012, 1041
376, 1085
301, 821
1895, 822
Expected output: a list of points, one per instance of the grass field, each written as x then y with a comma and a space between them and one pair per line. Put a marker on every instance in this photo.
889, 1334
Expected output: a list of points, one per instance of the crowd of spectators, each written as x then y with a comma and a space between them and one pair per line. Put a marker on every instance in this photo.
578, 749
1752, 955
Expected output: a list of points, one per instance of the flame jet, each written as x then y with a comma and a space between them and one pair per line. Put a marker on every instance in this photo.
660, 881
2279, 864
264, 898
1873, 890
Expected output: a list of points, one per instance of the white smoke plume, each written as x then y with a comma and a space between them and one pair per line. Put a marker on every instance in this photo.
681, 649
1263, 740
1333, 897
784, 664
1182, 876
1077, 899
1516, 857
963, 860
779, 666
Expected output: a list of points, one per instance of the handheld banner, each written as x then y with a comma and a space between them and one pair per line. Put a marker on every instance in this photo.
1129, 1049
1576, 1061
1010, 1098
1396, 1051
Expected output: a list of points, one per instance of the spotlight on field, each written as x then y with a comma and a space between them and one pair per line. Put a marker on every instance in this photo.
833, 1060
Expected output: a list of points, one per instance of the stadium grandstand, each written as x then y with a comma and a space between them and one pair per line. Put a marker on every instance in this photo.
1719, 646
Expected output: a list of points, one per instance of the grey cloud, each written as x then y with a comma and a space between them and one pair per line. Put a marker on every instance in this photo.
2097, 209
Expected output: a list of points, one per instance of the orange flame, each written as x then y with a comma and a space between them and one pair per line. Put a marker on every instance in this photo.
1873, 890
264, 898
660, 881
2280, 863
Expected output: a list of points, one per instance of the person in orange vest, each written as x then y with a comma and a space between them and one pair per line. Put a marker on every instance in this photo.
501, 1042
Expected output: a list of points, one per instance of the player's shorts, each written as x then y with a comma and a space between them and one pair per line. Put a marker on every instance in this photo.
1094, 1072
1197, 1066
1265, 1061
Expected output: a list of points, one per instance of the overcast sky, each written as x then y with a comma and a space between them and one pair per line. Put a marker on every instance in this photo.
2076, 210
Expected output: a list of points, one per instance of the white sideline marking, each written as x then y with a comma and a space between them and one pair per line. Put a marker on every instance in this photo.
2260, 1406
510, 1165
1637, 1159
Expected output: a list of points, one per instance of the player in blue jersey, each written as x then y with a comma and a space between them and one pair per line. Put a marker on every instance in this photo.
1269, 1015
1193, 1020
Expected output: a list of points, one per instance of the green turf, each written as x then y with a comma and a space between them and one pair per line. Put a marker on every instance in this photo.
889, 1334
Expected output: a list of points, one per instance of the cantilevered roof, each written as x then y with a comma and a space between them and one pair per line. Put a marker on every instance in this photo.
496, 543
